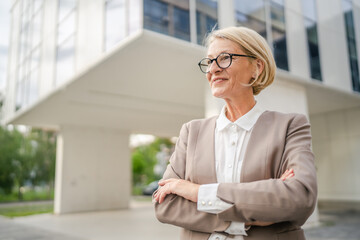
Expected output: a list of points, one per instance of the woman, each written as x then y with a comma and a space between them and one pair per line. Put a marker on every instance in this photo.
228, 177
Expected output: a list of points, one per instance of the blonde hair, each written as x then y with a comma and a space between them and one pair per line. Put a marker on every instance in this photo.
252, 44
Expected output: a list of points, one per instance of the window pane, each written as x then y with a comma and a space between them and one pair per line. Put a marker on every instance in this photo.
279, 34
181, 23
36, 26
156, 16
33, 86
351, 43
65, 7
66, 27
251, 14
168, 18
206, 18
309, 9
115, 25
65, 60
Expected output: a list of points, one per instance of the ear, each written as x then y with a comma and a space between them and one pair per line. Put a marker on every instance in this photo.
259, 67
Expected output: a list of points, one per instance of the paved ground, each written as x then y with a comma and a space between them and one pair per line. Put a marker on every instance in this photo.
140, 223
336, 225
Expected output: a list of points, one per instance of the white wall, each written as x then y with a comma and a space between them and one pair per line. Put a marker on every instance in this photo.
336, 144
332, 45
90, 32
297, 48
93, 170
48, 48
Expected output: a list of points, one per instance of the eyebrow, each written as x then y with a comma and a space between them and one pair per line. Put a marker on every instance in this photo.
225, 51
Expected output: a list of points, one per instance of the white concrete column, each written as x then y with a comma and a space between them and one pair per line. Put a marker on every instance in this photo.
90, 33
226, 14
332, 45
92, 170
298, 53
48, 48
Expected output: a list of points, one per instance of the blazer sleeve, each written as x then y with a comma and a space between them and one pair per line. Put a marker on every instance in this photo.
179, 211
274, 200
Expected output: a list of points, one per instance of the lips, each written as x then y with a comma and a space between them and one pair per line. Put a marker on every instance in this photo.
218, 80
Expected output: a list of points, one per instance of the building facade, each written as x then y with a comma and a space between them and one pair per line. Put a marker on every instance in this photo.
98, 71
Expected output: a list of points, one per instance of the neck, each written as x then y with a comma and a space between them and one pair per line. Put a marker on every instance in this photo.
236, 109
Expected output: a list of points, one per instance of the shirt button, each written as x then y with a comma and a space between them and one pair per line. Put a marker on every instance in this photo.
233, 143
203, 203
210, 203
229, 166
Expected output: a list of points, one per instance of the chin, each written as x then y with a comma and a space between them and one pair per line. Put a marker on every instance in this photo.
217, 94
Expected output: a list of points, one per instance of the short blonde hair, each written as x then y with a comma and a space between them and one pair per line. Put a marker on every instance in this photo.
252, 44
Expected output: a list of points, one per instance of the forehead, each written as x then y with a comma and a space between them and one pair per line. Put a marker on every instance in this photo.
220, 45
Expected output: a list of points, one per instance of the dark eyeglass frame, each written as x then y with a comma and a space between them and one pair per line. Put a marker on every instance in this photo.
221, 54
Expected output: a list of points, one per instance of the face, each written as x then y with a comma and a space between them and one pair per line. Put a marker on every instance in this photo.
229, 83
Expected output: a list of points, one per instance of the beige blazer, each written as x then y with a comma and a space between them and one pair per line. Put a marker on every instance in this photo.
278, 142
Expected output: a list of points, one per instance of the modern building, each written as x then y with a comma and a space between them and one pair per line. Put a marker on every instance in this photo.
98, 71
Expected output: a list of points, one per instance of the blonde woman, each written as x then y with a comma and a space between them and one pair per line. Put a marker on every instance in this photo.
247, 173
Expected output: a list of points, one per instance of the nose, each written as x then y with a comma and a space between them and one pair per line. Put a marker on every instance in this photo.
213, 68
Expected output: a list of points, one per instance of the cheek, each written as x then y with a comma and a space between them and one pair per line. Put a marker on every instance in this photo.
208, 77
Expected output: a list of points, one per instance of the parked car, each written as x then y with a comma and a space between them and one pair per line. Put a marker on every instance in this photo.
151, 188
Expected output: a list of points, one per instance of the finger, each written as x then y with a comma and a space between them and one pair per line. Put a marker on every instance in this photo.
163, 182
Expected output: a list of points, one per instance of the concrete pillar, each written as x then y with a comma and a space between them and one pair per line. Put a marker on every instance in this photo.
298, 54
92, 170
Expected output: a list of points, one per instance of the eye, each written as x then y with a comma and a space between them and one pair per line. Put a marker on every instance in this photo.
223, 57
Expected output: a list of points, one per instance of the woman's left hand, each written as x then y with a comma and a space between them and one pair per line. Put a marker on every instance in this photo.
180, 187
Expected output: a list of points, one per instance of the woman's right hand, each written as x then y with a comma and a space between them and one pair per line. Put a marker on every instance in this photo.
286, 175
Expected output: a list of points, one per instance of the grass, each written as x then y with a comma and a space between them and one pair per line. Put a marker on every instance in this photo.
29, 195
26, 210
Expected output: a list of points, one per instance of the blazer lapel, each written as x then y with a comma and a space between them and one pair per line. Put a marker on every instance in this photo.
204, 157
254, 163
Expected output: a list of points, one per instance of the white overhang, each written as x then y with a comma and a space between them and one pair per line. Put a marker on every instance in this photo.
150, 83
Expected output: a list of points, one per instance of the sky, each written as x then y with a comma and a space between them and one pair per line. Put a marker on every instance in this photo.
4, 39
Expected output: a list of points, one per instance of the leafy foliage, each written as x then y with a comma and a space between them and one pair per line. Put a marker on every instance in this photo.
26, 159
144, 159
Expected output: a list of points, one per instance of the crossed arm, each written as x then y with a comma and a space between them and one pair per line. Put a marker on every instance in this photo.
189, 191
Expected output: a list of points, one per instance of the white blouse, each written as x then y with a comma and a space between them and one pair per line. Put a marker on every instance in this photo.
231, 139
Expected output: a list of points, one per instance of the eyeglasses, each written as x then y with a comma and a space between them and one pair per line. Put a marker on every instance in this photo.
224, 61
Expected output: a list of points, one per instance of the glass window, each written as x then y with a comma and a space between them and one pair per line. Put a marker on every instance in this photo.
33, 86
67, 27
65, 8
351, 43
206, 18
65, 60
29, 51
181, 24
168, 17
65, 52
251, 14
115, 22
156, 16
310, 21
279, 33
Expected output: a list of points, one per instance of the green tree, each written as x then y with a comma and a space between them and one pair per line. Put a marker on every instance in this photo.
10, 158
43, 159
144, 160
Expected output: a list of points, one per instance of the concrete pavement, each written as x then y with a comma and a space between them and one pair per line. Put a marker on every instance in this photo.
139, 223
